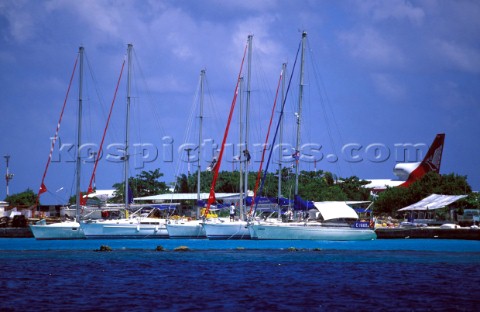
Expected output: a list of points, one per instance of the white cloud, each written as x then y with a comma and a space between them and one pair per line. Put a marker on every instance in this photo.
254, 5
101, 16
21, 21
460, 57
269, 50
368, 45
388, 86
444, 34
381, 10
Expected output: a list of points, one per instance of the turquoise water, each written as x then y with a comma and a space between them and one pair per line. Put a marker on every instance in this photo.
398, 275
443, 245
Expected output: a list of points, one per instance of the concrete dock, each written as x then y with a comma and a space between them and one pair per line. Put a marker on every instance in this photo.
16, 232
428, 232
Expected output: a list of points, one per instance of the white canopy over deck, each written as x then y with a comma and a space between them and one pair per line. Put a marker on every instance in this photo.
432, 202
335, 210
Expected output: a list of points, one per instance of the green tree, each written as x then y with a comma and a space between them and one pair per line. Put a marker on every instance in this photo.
392, 199
472, 201
182, 185
144, 184
322, 186
354, 189
331, 193
311, 185
25, 198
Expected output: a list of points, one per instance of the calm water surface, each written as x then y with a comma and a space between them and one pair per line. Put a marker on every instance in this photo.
398, 275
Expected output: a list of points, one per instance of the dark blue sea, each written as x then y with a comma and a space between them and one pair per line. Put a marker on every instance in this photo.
380, 275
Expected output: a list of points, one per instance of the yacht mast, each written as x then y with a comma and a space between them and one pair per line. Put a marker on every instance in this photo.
200, 129
211, 196
299, 113
79, 136
240, 169
247, 108
127, 124
280, 150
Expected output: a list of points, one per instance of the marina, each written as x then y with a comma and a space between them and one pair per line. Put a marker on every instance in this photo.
315, 218
339, 175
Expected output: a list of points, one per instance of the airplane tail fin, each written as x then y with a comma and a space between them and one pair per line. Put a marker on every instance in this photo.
434, 154
431, 162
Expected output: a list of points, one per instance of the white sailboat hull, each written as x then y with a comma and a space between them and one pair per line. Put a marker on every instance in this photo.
124, 228
297, 231
186, 229
60, 230
227, 230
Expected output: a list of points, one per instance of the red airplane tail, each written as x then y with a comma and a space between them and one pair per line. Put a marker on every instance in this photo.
431, 162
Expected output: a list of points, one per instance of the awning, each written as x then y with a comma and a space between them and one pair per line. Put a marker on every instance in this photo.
187, 196
335, 210
433, 201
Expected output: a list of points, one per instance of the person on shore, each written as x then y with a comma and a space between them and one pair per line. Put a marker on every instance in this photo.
232, 212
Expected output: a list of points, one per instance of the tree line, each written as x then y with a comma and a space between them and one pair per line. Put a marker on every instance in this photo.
313, 186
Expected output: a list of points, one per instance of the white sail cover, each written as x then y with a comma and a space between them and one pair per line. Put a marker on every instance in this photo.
188, 196
102, 194
335, 210
434, 201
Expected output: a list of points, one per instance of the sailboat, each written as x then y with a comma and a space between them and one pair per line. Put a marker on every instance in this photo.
326, 220
139, 224
145, 222
188, 228
220, 228
67, 229
329, 220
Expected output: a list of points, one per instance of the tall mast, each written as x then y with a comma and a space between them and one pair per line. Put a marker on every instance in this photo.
199, 167
240, 169
211, 196
79, 136
280, 150
247, 108
299, 113
127, 123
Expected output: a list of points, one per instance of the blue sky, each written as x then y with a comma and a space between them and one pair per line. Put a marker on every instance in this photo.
390, 72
